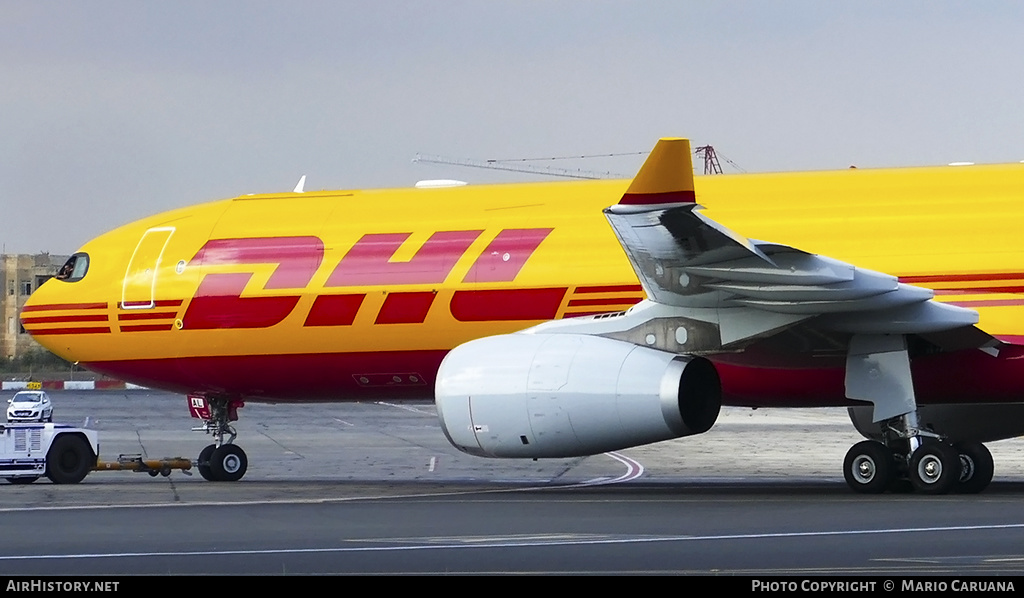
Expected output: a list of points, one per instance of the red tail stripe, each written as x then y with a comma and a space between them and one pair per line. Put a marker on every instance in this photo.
632, 199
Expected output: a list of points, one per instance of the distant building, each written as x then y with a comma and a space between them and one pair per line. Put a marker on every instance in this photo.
20, 275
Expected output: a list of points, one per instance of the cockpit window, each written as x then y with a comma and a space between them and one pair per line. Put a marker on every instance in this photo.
74, 269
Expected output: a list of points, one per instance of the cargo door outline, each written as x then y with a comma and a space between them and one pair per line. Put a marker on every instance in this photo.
140, 278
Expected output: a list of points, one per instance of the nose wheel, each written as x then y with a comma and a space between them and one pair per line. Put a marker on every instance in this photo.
226, 463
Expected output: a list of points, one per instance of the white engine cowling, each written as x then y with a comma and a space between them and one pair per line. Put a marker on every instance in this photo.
566, 395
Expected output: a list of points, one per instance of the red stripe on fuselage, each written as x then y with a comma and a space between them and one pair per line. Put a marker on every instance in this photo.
593, 302
620, 288
987, 302
147, 327
961, 277
160, 315
504, 305
55, 331
64, 306
63, 319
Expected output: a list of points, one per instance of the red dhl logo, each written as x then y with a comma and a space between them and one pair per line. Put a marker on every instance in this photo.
218, 302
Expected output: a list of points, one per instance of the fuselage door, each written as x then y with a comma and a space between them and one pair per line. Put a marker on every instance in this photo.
140, 279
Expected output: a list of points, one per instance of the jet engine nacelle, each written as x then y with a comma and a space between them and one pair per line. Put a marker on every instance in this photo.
566, 395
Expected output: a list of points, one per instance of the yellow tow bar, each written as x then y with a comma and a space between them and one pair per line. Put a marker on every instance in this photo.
153, 467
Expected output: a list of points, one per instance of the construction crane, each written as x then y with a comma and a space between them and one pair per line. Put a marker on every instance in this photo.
706, 152
711, 165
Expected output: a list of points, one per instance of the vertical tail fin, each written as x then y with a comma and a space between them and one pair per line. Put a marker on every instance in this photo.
665, 177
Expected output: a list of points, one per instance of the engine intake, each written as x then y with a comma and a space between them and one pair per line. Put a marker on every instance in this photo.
567, 395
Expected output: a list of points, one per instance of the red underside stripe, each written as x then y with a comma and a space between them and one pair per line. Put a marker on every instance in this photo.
958, 377
325, 376
632, 199
64, 306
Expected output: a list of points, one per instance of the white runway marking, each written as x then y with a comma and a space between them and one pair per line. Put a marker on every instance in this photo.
634, 469
406, 407
514, 542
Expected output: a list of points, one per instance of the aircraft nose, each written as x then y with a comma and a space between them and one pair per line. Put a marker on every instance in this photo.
59, 309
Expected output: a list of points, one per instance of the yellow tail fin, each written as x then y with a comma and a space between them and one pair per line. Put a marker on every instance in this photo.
665, 177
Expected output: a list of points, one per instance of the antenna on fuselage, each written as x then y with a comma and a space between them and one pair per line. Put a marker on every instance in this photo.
300, 185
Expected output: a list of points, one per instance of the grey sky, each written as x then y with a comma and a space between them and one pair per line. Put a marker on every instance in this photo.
111, 111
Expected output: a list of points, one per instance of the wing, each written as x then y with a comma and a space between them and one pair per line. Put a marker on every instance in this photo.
747, 289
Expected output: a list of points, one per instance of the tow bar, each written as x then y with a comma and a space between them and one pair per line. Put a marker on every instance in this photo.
153, 467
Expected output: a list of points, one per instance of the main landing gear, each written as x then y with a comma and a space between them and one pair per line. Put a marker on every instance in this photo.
908, 456
222, 461
934, 467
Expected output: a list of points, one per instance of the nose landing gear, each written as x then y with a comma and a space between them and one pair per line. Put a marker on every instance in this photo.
222, 461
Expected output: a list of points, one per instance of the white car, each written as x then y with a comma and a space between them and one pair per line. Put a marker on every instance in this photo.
30, 406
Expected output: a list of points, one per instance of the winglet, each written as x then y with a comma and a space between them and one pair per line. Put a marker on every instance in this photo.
300, 186
666, 176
